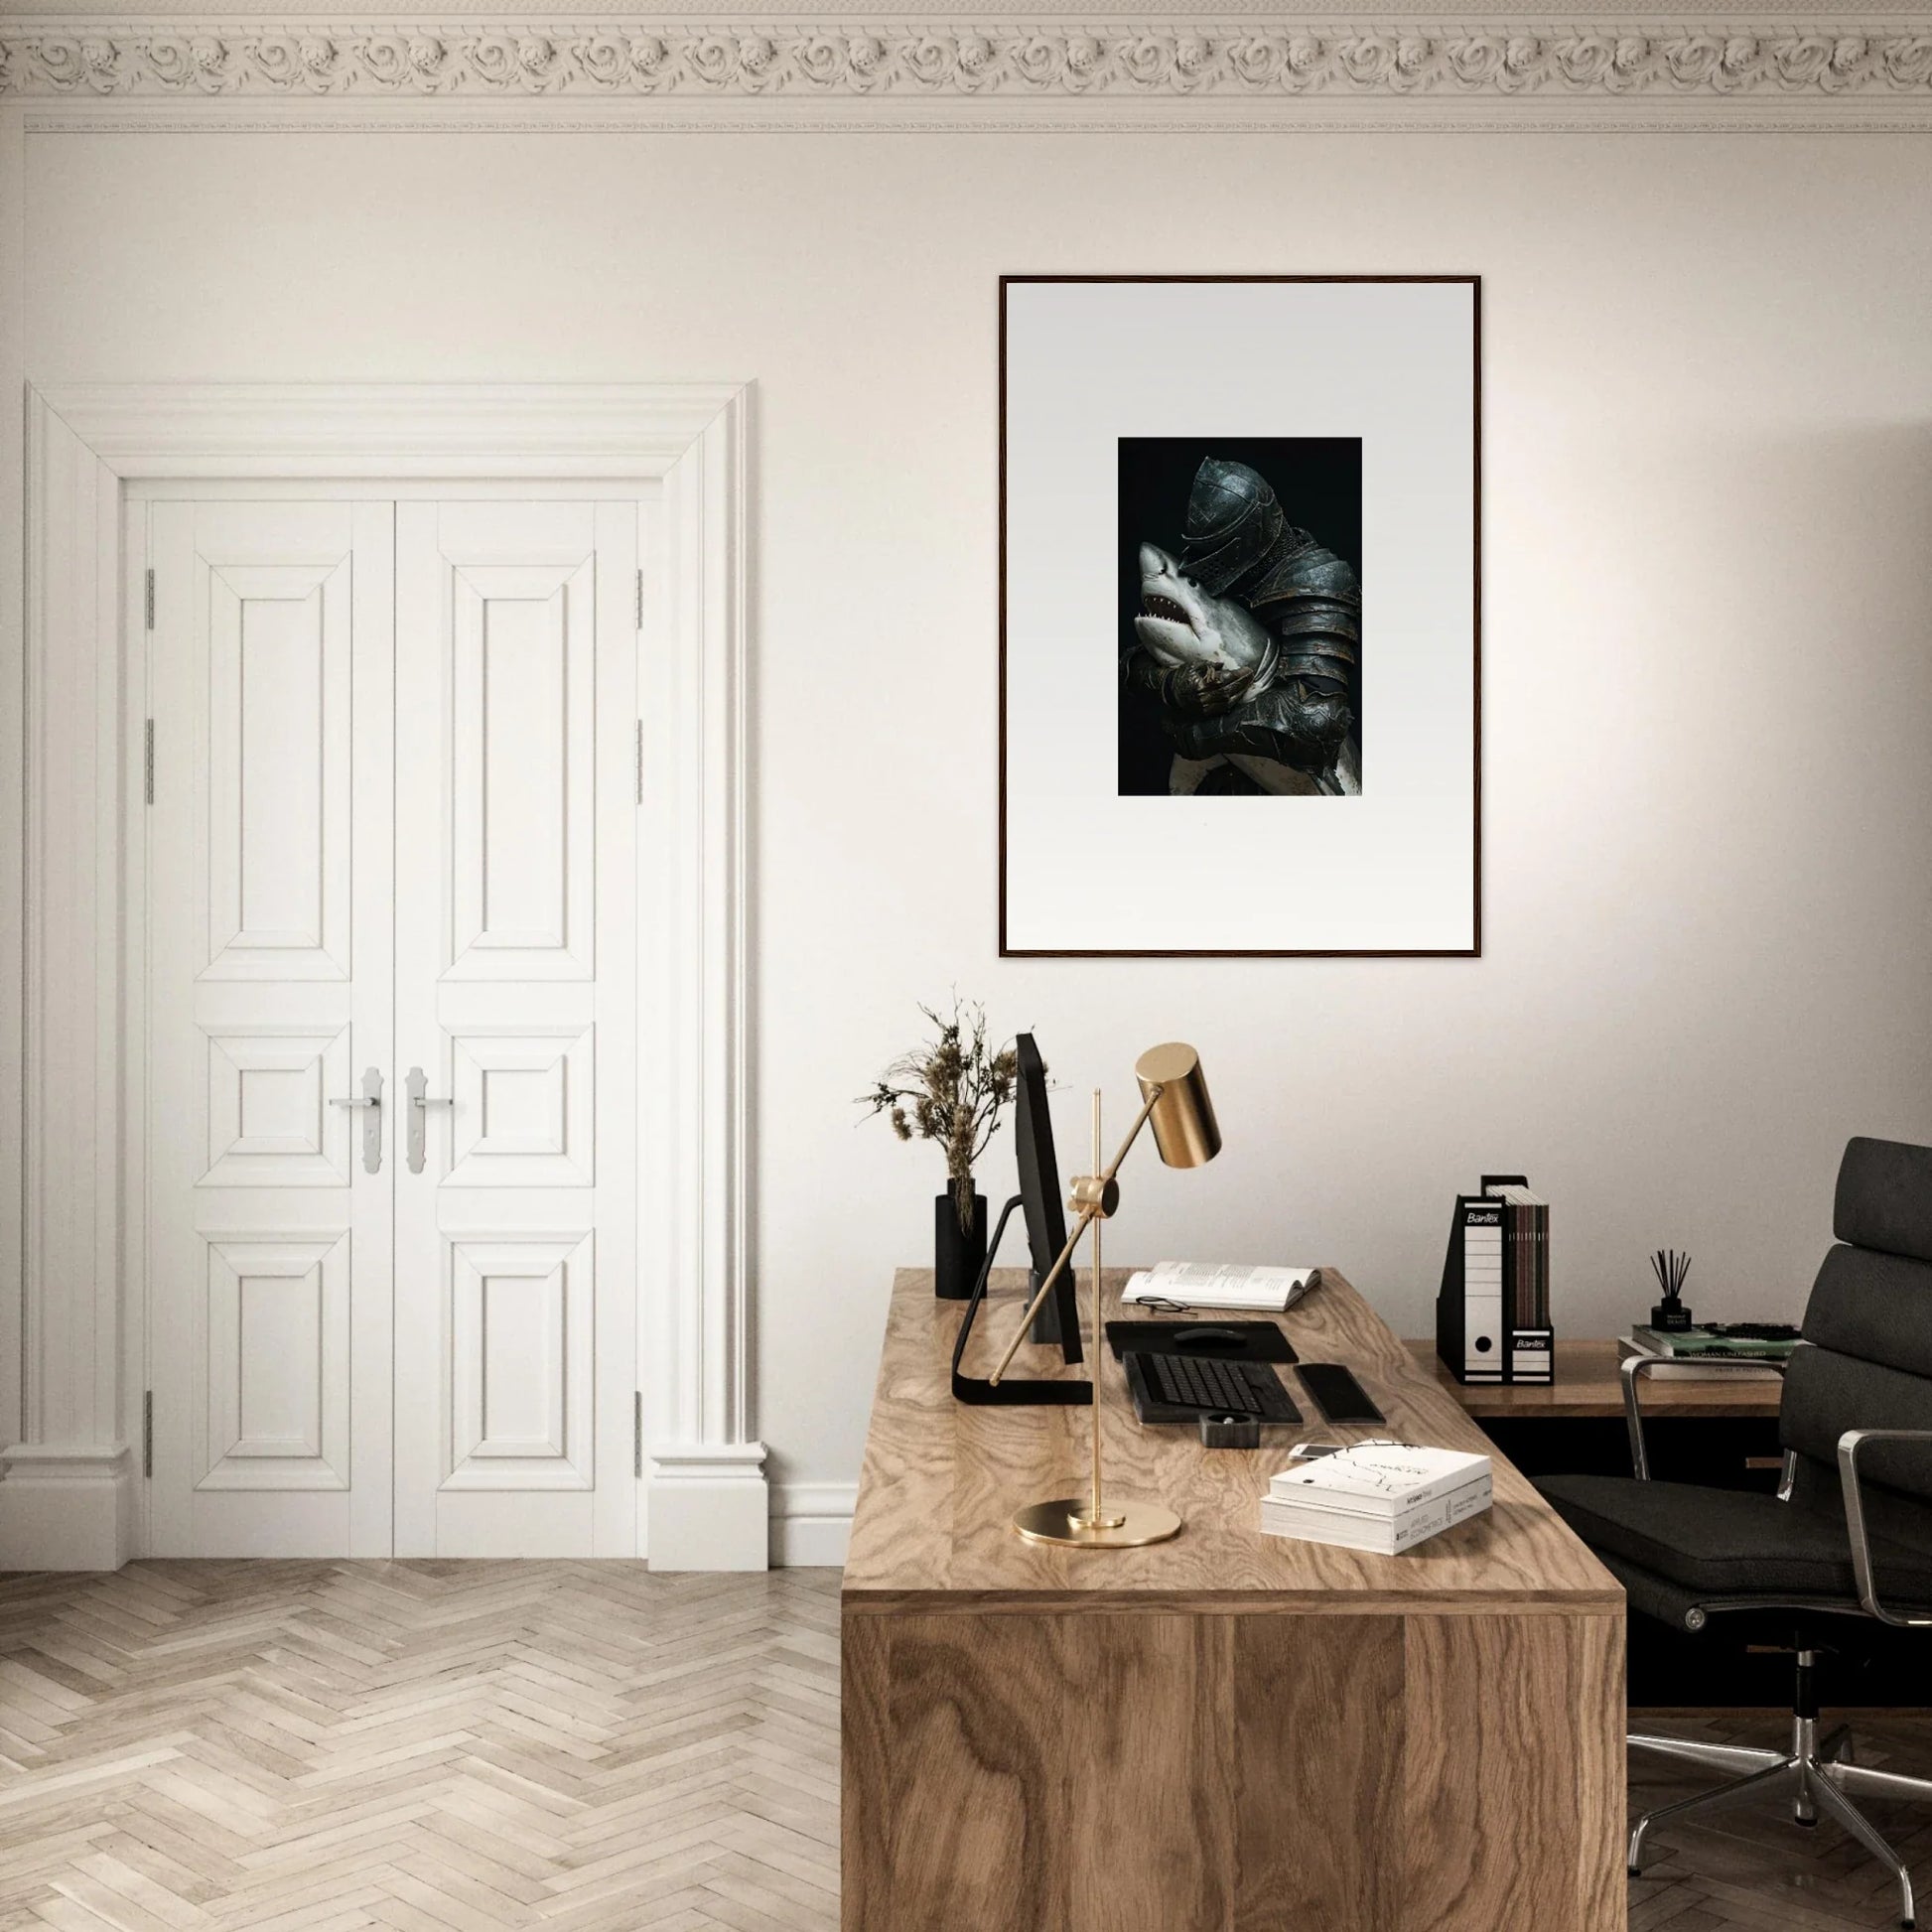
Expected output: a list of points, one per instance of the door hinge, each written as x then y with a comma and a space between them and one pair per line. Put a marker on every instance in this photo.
147, 760
637, 1432
640, 760
147, 1434
641, 598
150, 599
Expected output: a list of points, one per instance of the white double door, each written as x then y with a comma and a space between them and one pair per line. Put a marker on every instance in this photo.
390, 859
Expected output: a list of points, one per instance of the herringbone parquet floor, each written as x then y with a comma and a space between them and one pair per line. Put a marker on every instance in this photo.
429, 1747
458, 1747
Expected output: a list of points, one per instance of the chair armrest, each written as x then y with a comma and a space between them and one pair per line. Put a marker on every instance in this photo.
1635, 1367
1848, 1445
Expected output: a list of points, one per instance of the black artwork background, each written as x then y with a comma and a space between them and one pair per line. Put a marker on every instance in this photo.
1318, 480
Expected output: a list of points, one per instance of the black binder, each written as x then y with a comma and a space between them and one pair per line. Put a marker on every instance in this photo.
1492, 1313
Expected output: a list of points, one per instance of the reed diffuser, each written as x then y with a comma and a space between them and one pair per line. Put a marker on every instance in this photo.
1670, 1268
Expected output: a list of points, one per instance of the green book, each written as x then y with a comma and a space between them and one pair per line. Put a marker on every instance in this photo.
1706, 1341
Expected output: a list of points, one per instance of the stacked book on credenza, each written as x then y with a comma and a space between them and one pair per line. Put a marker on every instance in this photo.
1758, 1349
1492, 1315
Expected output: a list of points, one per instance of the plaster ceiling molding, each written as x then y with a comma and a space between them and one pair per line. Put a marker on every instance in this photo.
1883, 67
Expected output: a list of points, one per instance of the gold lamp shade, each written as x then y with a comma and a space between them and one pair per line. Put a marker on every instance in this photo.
1182, 1114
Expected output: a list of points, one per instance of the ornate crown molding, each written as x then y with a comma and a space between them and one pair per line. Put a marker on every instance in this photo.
1253, 63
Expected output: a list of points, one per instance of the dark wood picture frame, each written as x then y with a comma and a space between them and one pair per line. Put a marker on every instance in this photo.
1475, 949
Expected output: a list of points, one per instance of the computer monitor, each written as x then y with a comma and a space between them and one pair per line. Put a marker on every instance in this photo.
1040, 1196
1039, 1199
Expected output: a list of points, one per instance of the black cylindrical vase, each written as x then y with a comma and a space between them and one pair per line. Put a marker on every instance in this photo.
958, 1254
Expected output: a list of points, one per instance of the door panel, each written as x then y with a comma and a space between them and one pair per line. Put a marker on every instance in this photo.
522, 825
516, 975
277, 1329
270, 892
279, 770
520, 1357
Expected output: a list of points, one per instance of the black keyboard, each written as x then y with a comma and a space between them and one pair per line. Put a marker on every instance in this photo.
1217, 1388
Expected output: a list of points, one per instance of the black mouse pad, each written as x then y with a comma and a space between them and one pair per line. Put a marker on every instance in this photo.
1224, 1342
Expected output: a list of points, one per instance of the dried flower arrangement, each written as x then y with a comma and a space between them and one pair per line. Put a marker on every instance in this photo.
951, 1090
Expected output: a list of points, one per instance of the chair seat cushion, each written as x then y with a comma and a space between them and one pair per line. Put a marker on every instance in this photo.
1729, 1541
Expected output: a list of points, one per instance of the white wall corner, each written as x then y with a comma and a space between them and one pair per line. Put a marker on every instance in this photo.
811, 1524
710, 1507
66, 1508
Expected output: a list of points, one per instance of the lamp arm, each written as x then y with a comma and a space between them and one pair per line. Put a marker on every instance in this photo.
1133, 1133
1089, 1216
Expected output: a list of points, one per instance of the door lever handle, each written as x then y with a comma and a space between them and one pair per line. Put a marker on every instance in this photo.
370, 1098
419, 1102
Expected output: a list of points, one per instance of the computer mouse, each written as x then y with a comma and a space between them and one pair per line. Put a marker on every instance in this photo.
1206, 1338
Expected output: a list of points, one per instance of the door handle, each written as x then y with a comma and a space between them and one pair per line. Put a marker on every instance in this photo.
370, 1098
420, 1103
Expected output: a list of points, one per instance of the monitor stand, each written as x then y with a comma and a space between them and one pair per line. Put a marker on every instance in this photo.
1013, 1391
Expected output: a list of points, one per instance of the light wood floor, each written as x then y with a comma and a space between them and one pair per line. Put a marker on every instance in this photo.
456, 1747
315, 1746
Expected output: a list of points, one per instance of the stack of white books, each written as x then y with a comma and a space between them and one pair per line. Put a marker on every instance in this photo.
1219, 1285
1380, 1496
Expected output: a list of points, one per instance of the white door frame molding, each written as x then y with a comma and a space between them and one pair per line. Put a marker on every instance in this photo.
68, 1498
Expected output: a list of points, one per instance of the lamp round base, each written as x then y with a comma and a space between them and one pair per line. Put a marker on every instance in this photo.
1061, 1521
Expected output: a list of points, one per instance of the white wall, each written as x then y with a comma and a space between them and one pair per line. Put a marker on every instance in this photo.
1708, 687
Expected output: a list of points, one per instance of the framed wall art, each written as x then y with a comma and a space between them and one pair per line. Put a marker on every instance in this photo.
1240, 615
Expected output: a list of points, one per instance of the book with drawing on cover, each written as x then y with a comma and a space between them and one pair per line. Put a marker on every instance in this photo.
1377, 1496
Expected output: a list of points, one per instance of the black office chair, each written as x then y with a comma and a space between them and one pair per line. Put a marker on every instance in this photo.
1848, 1535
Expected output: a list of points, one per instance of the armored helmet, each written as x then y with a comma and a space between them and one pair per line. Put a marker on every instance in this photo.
1233, 522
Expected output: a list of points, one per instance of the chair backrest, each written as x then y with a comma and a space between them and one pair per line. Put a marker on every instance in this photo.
1869, 1324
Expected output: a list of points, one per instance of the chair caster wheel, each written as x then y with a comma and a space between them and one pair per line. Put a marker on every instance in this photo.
1810, 1824
1633, 1872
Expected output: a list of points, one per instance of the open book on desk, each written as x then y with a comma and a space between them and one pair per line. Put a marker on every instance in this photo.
1219, 1285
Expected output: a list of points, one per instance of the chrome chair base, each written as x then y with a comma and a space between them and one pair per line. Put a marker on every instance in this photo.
1818, 1775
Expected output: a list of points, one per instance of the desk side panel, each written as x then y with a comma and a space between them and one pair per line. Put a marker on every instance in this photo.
1514, 1774
1148, 1773
1319, 1736
865, 1759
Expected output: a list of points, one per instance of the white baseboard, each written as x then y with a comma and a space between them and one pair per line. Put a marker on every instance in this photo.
811, 1524
710, 1507
65, 1508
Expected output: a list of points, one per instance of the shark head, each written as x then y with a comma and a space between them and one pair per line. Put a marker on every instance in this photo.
1180, 624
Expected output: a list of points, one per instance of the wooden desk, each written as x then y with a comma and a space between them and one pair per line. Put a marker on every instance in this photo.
1227, 1732
1588, 1384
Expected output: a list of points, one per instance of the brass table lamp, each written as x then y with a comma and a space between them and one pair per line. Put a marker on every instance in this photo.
1175, 1101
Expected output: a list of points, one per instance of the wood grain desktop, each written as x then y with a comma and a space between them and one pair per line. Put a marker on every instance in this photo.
1228, 1730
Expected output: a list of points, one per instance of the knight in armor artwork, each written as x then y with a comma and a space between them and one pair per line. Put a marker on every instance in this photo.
1241, 630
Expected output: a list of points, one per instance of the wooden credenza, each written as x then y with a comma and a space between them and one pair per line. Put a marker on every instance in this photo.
1227, 1731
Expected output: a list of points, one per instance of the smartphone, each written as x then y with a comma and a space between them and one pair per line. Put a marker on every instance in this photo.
1336, 1392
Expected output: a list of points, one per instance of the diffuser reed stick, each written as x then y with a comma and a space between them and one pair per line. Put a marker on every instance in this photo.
1670, 1267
